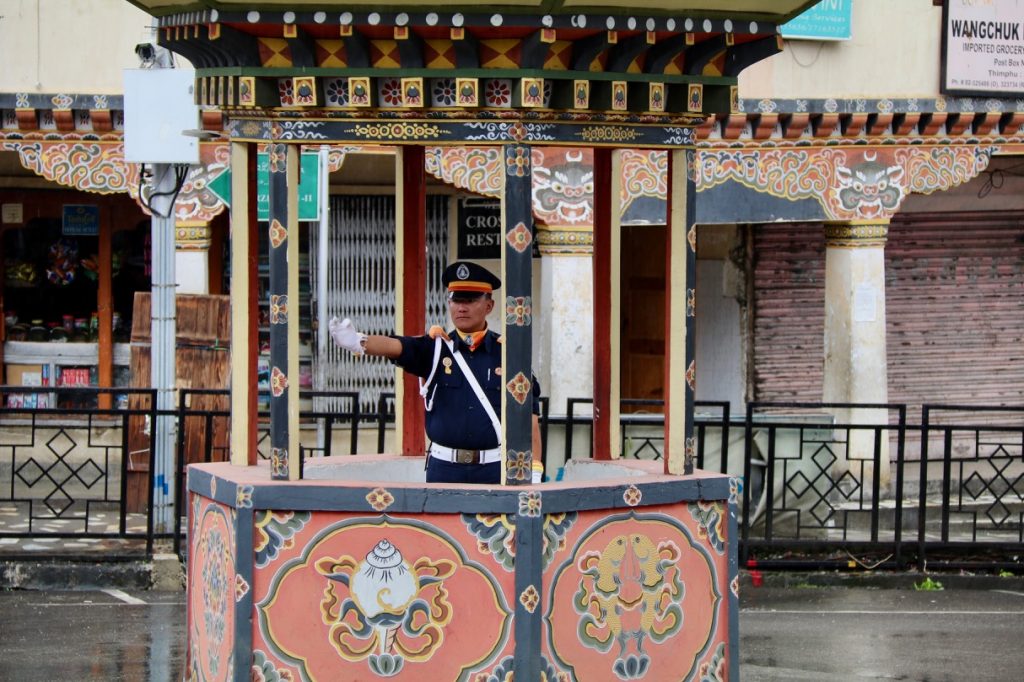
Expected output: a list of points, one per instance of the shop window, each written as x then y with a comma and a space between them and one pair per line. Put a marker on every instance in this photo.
131, 273
50, 283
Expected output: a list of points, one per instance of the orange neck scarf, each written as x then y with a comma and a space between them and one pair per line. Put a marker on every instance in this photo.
472, 339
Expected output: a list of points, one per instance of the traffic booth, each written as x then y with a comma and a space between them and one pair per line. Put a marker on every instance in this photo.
354, 568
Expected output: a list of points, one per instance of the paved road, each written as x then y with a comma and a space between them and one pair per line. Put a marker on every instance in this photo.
820, 634
862, 634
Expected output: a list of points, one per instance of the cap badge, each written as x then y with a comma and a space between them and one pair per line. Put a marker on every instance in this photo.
462, 272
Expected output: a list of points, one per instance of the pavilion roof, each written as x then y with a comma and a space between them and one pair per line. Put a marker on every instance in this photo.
774, 11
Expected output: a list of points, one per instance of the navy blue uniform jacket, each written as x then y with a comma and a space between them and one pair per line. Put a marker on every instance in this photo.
457, 419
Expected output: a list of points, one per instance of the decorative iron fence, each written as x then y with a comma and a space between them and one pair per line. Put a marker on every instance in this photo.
822, 485
64, 472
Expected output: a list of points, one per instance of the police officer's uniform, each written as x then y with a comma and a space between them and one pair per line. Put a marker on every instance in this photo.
464, 445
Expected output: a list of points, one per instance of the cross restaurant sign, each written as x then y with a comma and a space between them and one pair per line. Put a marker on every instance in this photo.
983, 47
479, 229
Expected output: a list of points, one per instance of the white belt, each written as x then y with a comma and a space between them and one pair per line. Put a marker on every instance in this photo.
462, 456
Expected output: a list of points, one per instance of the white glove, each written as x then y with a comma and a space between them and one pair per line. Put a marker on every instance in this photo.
346, 336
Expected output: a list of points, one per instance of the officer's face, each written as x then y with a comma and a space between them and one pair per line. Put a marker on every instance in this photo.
470, 315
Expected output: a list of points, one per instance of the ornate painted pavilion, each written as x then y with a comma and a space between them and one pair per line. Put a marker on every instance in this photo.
510, 80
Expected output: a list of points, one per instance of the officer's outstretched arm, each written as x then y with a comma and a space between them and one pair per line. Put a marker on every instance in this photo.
344, 333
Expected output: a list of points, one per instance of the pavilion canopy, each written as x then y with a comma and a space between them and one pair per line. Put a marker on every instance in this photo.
774, 11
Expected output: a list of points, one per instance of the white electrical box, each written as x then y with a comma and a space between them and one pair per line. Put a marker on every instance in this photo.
159, 104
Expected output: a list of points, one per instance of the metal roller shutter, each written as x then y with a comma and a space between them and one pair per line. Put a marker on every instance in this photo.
954, 309
361, 285
789, 311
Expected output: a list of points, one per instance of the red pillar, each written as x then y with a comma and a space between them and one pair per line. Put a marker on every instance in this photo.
602, 302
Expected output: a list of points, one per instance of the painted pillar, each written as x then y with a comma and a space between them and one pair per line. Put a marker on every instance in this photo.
607, 318
192, 256
284, 327
515, 305
680, 304
566, 338
244, 340
855, 352
410, 289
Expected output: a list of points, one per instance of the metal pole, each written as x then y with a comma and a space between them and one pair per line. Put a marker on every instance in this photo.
323, 244
162, 345
322, 256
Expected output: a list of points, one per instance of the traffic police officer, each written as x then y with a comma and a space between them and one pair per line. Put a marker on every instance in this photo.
460, 378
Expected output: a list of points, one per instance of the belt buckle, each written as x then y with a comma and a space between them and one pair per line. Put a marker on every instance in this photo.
467, 456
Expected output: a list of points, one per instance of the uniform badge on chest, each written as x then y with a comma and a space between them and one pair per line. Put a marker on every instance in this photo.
447, 362
497, 371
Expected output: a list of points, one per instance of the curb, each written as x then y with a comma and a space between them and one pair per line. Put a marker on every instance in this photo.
874, 580
158, 574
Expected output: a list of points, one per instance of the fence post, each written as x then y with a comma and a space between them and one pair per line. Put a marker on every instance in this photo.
179, 460
150, 476
947, 464
356, 418
876, 482
570, 408
922, 494
726, 416
898, 513
748, 434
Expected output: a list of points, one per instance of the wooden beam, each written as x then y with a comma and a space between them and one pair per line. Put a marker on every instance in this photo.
680, 294
244, 305
105, 305
411, 288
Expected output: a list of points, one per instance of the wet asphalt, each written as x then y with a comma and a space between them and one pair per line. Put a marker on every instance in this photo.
823, 634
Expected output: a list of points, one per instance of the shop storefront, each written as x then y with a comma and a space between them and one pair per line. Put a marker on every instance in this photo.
72, 264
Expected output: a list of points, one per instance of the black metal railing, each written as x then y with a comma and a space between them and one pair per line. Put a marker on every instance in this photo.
822, 485
642, 434
64, 470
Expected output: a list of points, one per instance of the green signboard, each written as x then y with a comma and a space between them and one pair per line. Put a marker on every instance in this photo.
828, 20
309, 187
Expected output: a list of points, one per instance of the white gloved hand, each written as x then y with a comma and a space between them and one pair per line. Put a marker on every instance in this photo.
345, 335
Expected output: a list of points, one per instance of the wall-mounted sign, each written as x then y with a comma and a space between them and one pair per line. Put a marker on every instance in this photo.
983, 47
828, 20
80, 220
13, 214
479, 229
309, 187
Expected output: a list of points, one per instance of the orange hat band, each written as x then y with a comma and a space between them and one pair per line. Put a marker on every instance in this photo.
468, 285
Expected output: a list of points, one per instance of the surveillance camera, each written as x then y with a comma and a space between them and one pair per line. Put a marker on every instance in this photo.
145, 51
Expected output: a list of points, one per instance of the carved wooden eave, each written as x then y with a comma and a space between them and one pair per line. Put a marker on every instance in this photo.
867, 121
671, 64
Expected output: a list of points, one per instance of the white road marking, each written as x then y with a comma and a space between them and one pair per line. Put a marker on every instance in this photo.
1015, 594
124, 596
867, 612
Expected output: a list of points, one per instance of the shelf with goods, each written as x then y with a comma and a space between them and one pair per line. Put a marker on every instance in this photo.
30, 363
52, 298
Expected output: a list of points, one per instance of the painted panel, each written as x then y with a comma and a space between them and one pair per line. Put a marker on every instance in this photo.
344, 596
213, 586
631, 595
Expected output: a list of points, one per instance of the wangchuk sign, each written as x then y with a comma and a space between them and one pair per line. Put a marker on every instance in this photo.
983, 47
